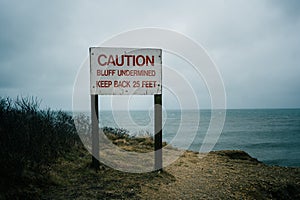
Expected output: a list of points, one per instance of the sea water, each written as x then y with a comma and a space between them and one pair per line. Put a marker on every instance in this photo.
270, 135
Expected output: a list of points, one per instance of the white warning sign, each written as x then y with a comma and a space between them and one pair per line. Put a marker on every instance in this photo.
125, 71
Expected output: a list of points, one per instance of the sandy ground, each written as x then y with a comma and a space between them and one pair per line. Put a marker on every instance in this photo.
216, 175
225, 175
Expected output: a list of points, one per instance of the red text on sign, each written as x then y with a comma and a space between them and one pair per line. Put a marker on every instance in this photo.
127, 60
122, 84
149, 84
104, 84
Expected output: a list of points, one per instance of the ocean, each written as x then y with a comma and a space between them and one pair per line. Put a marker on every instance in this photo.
270, 135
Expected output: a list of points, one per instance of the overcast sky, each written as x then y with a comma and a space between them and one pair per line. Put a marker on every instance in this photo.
255, 44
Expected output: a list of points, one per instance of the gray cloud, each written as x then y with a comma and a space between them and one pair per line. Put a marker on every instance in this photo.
254, 43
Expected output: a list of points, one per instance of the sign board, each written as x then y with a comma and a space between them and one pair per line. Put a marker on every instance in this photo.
125, 71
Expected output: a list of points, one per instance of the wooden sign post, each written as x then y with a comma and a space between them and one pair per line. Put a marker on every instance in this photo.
126, 71
95, 131
158, 131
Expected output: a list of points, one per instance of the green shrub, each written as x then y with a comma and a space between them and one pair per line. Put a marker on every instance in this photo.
31, 139
117, 132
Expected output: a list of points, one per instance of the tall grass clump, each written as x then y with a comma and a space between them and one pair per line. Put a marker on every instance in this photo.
31, 139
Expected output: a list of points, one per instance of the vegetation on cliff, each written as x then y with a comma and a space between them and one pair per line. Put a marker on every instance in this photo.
42, 157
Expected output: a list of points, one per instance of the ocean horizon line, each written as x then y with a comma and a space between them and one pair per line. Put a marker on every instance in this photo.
173, 109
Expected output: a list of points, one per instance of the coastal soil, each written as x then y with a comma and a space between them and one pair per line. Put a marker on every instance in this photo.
216, 175
225, 175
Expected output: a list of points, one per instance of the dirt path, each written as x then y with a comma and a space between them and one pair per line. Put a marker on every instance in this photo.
225, 175
217, 175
